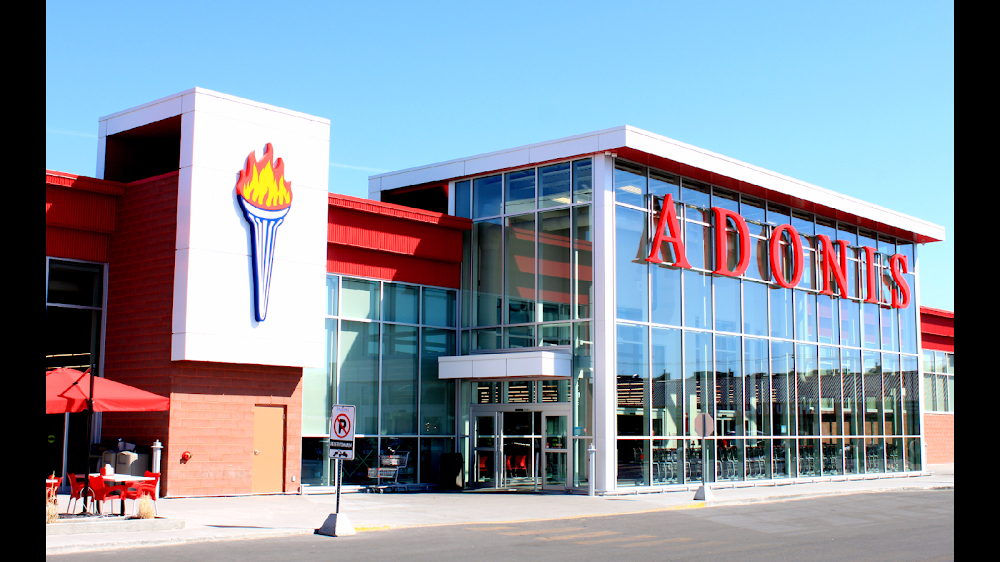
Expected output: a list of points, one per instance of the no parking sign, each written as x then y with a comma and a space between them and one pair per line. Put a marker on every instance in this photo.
342, 433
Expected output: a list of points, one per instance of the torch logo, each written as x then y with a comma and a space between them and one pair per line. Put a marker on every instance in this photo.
265, 198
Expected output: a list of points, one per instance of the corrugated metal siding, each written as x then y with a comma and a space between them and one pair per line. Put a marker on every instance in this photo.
83, 210
376, 264
395, 235
76, 244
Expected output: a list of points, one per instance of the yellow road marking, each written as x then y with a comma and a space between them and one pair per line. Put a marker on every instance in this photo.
489, 528
616, 539
650, 543
540, 531
579, 535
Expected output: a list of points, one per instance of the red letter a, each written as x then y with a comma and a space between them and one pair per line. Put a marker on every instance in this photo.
668, 218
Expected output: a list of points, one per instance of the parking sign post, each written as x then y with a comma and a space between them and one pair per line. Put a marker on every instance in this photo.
341, 441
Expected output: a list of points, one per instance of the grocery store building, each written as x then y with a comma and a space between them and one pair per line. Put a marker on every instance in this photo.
489, 317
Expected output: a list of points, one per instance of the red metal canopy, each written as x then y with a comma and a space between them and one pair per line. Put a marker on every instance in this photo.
66, 391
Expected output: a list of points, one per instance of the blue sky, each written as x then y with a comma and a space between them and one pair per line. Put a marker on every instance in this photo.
856, 97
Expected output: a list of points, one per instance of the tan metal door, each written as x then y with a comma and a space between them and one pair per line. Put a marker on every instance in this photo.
268, 449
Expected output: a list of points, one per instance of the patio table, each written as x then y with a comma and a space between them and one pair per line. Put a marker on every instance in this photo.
126, 479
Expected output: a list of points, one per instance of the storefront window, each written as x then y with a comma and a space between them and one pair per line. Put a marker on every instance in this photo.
781, 312
359, 354
520, 193
582, 181
807, 389
727, 304
699, 366
399, 380
583, 261
439, 307
402, 303
554, 185
782, 388
667, 383
754, 309
519, 269
757, 389
805, 316
486, 196
437, 397
632, 369
360, 299
666, 294
630, 183
554, 276
630, 265
697, 300
487, 273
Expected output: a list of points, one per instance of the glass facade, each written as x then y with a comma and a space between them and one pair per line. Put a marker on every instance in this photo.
383, 340
804, 384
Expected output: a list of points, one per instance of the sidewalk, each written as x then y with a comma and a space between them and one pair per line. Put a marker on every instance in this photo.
248, 517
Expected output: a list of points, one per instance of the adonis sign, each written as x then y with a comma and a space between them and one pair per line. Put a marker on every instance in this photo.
898, 264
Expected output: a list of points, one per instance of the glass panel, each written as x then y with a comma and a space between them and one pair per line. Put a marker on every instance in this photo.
583, 265
809, 457
752, 210
758, 459
317, 387
951, 393
727, 304
488, 393
725, 200
554, 185
431, 451
632, 385
759, 267
911, 395
582, 181
520, 193
826, 226
873, 393
892, 393
728, 387
463, 199
803, 224
695, 193
729, 463
913, 462
781, 312
554, 265
808, 270
486, 196
667, 382
519, 262
940, 362
359, 372
874, 455
697, 300
890, 329
853, 393
693, 461
854, 456
75, 283
830, 403
805, 316
829, 329
850, 320
467, 286
807, 388
439, 307
630, 265
583, 380
777, 215
847, 232
661, 184
555, 391
929, 393
332, 283
399, 380
554, 334
630, 183
698, 368
365, 457
518, 392
833, 456
754, 309
668, 461
893, 454
519, 336
782, 388
359, 299
699, 245
437, 397
908, 324
633, 462
487, 273
757, 388
402, 303
783, 462
490, 338
869, 326
666, 289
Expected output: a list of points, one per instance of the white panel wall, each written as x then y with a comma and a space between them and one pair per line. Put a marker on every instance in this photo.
213, 315
605, 405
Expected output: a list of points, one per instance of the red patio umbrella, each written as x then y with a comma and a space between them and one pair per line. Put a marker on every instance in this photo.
67, 390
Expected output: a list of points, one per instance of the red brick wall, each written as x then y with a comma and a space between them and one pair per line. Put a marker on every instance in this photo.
211, 404
939, 431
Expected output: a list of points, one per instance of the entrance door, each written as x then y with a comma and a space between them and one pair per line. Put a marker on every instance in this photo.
518, 447
268, 449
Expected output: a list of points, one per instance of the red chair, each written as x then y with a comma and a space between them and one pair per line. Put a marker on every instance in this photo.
75, 487
101, 492
143, 488
522, 464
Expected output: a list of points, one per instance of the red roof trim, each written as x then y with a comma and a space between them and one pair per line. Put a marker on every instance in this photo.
398, 211
936, 312
84, 183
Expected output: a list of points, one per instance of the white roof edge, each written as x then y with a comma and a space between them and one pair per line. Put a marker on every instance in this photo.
665, 147
197, 90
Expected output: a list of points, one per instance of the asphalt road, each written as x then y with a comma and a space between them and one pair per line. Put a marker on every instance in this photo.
906, 526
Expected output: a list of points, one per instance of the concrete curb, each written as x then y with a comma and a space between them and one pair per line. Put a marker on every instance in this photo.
809, 495
117, 545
